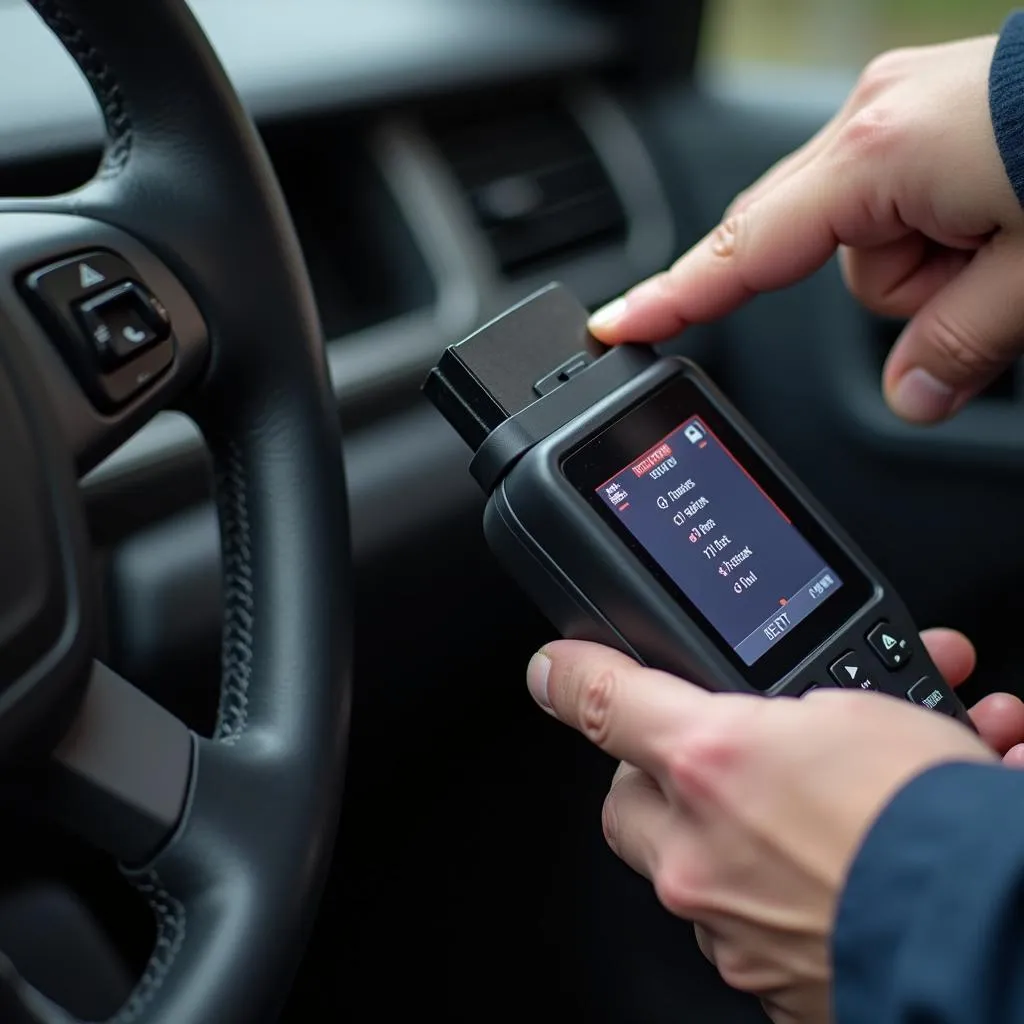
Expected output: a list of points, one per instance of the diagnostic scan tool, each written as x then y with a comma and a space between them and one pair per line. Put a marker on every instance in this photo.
638, 509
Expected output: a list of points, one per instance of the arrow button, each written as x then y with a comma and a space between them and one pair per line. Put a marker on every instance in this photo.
89, 277
849, 671
892, 648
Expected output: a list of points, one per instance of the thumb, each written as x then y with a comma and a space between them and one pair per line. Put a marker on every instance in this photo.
962, 338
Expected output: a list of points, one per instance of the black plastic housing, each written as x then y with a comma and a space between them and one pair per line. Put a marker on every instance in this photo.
590, 584
509, 363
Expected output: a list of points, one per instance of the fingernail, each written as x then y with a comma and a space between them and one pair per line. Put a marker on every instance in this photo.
922, 398
537, 679
608, 316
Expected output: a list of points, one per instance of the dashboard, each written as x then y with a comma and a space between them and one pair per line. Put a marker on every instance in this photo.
441, 159
359, 104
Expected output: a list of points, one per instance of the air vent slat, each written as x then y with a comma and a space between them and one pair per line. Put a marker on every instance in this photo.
536, 185
595, 219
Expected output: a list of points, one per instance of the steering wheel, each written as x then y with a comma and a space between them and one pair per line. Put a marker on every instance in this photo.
174, 278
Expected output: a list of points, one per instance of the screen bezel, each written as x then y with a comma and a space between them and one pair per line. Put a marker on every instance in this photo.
615, 447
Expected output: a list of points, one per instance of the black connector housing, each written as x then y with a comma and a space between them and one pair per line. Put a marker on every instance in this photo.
524, 375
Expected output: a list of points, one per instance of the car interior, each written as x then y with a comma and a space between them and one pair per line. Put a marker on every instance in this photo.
440, 160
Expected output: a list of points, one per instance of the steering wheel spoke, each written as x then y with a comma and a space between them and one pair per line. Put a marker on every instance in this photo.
113, 334
120, 776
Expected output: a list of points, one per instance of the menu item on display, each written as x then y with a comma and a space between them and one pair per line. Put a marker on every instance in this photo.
720, 538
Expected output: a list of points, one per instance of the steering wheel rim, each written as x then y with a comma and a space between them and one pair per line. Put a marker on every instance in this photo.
184, 176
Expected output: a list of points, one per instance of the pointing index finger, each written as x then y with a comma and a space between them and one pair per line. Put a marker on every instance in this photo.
782, 237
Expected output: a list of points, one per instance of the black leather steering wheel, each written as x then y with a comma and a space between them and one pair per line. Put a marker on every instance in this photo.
175, 277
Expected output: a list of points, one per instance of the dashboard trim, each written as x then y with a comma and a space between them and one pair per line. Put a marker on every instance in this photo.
372, 364
301, 57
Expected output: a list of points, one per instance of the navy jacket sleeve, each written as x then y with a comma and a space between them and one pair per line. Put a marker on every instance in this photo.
930, 928
1006, 99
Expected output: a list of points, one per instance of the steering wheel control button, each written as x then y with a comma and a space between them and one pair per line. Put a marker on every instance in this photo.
849, 671
933, 694
891, 647
112, 331
59, 285
120, 323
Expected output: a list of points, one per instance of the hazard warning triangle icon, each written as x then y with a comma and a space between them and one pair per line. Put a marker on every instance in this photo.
888, 641
89, 277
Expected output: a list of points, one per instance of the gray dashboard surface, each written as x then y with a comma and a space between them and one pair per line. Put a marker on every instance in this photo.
302, 56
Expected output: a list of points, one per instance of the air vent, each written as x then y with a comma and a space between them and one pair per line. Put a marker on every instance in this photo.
536, 185
1005, 388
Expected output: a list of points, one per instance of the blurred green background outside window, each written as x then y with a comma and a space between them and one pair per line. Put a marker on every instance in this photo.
836, 34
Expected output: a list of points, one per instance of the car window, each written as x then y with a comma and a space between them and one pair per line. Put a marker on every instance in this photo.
835, 34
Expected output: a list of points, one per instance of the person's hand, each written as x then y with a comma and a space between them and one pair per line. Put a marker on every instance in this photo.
909, 180
746, 812
999, 717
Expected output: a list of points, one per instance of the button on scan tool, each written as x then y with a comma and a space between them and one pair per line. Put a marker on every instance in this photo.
120, 322
933, 694
849, 671
890, 646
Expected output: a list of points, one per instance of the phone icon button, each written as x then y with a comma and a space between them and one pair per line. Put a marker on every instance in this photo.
134, 336
120, 322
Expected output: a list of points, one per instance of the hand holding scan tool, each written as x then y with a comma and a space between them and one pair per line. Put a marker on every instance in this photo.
638, 509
